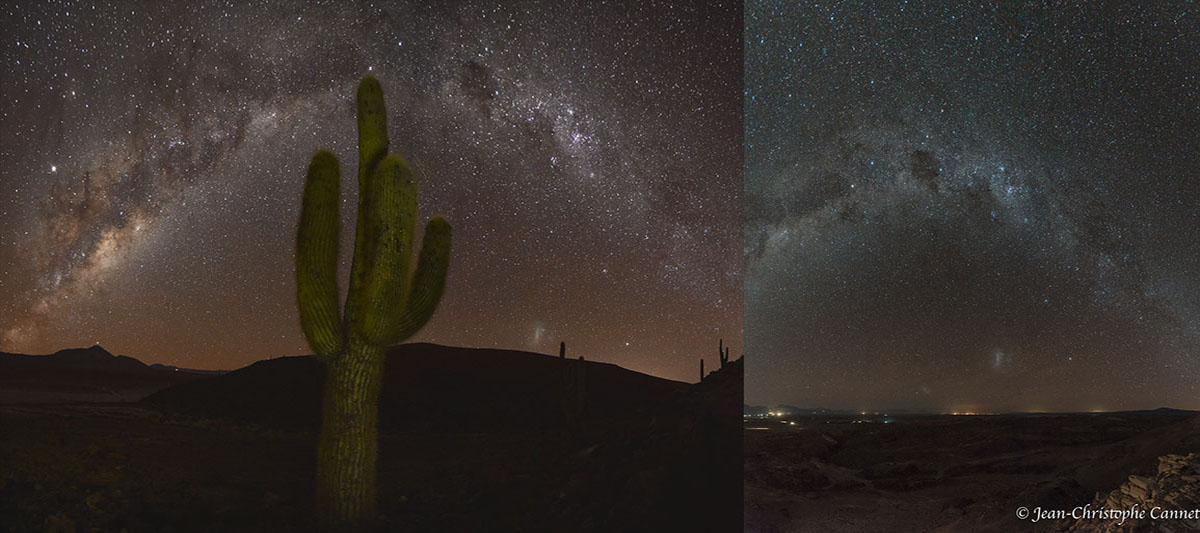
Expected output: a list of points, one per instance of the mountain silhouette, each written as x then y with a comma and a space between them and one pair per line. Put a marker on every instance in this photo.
426, 387
81, 374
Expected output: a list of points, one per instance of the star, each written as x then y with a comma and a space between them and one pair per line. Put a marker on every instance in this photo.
910, 207
561, 144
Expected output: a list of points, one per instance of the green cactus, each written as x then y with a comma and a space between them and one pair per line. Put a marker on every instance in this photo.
386, 303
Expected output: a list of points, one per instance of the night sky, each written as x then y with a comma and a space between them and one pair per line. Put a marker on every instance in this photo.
990, 207
589, 158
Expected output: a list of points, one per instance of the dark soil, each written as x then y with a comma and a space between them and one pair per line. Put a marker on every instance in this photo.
947, 473
673, 466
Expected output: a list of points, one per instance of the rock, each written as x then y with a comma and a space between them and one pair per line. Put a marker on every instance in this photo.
1139, 488
1176, 487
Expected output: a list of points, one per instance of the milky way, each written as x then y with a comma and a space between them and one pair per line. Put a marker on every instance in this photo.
992, 208
588, 156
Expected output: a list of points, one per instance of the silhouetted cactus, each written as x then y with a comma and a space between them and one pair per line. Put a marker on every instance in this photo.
722, 352
387, 303
701, 369
574, 388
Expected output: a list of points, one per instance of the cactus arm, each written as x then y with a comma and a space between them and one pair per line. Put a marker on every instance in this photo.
390, 203
317, 255
372, 148
428, 282
372, 127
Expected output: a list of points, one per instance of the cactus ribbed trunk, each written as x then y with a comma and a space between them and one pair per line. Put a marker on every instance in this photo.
388, 302
348, 445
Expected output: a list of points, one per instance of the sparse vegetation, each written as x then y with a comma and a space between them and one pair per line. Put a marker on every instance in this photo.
574, 388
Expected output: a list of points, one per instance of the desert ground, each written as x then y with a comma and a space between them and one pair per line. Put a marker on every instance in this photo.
237, 452
957, 473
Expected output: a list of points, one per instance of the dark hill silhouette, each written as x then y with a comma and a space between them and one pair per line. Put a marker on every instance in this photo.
80, 374
94, 358
426, 387
473, 440
679, 469
173, 368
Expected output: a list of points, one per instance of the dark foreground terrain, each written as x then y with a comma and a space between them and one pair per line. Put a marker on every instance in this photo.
84, 375
236, 452
968, 473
